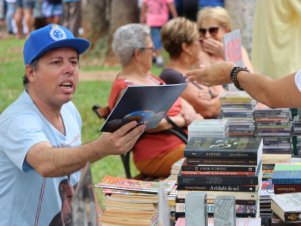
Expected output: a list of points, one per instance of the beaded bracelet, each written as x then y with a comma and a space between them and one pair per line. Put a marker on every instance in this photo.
233, 76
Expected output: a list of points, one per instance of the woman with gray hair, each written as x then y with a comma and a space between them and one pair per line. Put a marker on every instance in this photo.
156, 151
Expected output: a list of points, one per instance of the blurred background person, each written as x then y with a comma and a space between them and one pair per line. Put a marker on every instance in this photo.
52, 10
187, 8
24, 12
157, 150
211, 3
180, 39
213, 23
155, 13
39, 19
9, 17
277, 37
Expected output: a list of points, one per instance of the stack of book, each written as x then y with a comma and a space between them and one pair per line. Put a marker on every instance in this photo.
297, 133
238, 107
287, 177
130, 202
267, 190
239, 222
222, 166
208, 128
275, 128
287, 207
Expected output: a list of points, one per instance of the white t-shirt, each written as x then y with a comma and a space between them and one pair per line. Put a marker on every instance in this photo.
22, 189
298, 80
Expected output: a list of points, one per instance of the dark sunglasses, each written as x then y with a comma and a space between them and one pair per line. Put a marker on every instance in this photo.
212, 31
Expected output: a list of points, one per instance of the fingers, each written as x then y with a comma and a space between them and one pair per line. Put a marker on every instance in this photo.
126, 128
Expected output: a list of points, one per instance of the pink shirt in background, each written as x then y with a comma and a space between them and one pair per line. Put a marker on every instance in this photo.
157, 12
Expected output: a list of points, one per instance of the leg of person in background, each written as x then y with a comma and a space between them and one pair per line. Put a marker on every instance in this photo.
18, 18
155, 35
39, 19
2, 10
11, 10
57, 12
28, 15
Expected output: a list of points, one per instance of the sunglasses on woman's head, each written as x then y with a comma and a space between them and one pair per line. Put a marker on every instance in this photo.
212, 31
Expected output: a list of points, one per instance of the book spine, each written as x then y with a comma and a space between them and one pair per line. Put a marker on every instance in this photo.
213, 161
217, 173
286, 188
216, 180
239, 209
213, 194
219, 154
237, 201
218, 168
241, 188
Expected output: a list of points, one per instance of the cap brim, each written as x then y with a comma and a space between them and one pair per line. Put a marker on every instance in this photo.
79, 44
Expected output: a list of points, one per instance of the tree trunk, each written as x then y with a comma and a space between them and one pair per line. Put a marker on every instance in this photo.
242, 14
102, 17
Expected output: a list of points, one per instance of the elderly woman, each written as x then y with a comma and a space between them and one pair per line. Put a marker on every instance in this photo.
180, 39
213, 23
156, 151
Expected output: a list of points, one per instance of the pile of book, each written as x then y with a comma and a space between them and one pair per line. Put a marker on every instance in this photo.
222, 166
208, 128
297, 133
239, 222
287, 207
238, 107
267, 190
275, 128
286, 179
130, 202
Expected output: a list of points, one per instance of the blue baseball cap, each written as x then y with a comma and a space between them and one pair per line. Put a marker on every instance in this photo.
50, 37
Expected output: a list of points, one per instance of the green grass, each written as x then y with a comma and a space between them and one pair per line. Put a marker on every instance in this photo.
88, 94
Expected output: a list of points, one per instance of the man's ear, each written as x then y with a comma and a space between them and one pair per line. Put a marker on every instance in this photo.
29, 72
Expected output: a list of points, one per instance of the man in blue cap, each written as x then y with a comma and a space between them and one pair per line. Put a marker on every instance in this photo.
40, 141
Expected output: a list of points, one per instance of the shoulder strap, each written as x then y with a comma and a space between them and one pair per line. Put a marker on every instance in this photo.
176, 130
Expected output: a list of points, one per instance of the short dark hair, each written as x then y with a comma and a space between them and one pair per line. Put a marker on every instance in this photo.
33, 64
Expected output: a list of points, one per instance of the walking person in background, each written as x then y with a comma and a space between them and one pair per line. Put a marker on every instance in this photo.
24, 11
9, 17
52, 10
72, 15
155, 13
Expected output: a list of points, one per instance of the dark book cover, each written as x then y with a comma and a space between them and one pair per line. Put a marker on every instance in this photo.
219, 180
241, 188
286, 188
229, 147
219, 161
144, 104
218, 168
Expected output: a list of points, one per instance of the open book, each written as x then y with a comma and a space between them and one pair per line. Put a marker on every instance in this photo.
144, 104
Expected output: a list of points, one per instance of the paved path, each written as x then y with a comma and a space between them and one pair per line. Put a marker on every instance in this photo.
97, 75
